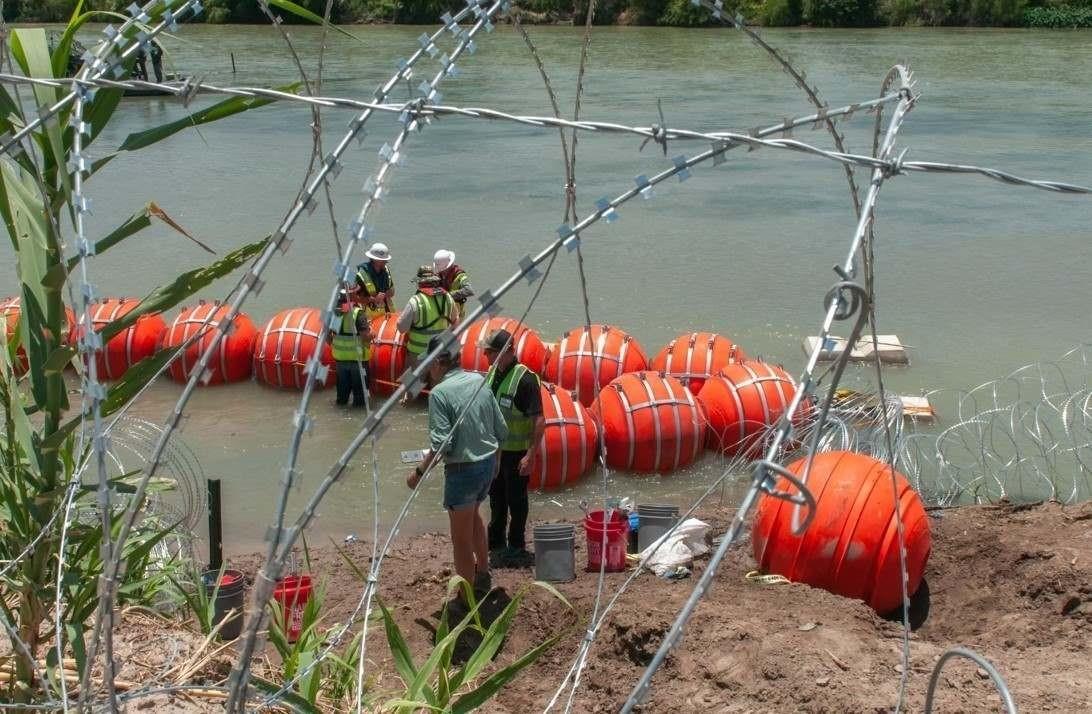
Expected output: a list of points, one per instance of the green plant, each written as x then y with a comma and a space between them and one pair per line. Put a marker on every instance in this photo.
438, 684
1062, 16
781, 13
840, 13
42, 455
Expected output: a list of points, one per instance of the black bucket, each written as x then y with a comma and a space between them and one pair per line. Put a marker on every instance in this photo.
229, 597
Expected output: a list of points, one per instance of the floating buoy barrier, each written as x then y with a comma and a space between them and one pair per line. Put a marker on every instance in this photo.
573, 363
286, 345
11, 308
232, 360
742, 401
851, 547
567, 448
388, 358
696, 357
650, 422
531, 352
134, 343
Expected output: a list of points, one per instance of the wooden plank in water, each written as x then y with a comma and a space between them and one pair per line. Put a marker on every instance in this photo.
917, 408
891, 349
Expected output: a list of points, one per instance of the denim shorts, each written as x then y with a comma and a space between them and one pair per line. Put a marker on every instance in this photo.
467, 484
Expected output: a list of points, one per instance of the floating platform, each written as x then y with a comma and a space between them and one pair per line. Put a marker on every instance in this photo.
891, 350
917, 409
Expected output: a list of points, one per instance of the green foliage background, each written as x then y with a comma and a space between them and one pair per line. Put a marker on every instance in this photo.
678, 13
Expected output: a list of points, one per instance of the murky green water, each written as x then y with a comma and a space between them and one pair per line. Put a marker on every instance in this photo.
978, 277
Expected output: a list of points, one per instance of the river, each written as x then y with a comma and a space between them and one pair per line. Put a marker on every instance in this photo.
978, 277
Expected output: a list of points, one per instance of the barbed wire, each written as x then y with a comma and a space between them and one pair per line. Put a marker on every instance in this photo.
844, 299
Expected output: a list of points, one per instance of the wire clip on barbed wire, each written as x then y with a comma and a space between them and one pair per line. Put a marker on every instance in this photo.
606, 210
659, 131
530, 272
894, 166
412, 382
489, 303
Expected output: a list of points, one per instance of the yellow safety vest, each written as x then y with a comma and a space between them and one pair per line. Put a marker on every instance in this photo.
346, 346
364, 276
521, 428
434, 314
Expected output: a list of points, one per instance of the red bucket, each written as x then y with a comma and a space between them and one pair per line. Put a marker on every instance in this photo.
617, 535
293, 592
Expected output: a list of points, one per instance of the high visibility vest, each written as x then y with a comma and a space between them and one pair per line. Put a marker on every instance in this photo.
454, 278
346, 346
364, 277
434, 314
521, 428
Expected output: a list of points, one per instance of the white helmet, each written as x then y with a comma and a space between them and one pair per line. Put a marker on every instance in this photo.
443, 260
378, 251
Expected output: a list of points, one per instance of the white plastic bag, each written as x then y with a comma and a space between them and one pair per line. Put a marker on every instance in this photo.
680, 547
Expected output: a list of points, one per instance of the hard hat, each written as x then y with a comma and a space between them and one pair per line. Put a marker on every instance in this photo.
426, 276
378, 251
443, 260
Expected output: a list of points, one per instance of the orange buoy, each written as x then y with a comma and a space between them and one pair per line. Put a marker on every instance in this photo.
388, 358
11, 308
851, 547
530, 350
742, 401
286, 345
567, 448
573, 364
650, 422
134, 343
696, 357
233, 357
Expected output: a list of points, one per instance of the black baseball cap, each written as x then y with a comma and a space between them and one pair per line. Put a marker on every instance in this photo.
498, 339
442, 349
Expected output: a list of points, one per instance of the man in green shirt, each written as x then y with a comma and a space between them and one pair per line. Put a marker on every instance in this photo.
465, 427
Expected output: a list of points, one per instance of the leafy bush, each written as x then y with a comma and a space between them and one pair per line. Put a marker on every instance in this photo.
840, 13
782, 13
1063, 16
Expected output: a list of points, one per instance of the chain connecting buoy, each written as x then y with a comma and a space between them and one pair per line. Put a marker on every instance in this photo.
567, 448
11, 308
851, 547
696, 357
573, 363
742, 401
388, 358
285, 346
134, 343
231, 362
650, 423
531, 352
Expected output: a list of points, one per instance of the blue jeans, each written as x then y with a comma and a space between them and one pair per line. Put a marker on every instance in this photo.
467, 484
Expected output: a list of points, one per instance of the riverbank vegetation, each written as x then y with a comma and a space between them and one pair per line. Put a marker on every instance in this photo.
676, 13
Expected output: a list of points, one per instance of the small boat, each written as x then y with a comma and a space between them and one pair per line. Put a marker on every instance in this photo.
75, 62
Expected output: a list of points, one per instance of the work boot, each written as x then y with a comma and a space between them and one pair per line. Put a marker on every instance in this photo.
483, 583
496, 557
518, 558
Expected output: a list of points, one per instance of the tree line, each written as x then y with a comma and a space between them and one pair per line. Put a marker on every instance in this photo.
674, 13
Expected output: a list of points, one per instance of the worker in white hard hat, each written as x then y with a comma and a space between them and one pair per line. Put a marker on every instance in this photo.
453, 278
375, 287
350, 345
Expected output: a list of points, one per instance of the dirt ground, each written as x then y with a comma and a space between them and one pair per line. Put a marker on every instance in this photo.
1011, 582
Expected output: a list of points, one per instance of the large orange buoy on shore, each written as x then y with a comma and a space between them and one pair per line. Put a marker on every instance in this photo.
530, 350
742, 401
286, 345
650, 422
11, 308
232, 360
567, 448
696, 357
388, 358
134, 343
852, 546
573, 363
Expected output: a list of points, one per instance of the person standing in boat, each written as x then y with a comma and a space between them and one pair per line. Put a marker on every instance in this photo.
453, 278
375, 286
516, 389
157, 61
429, 312
350, 345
